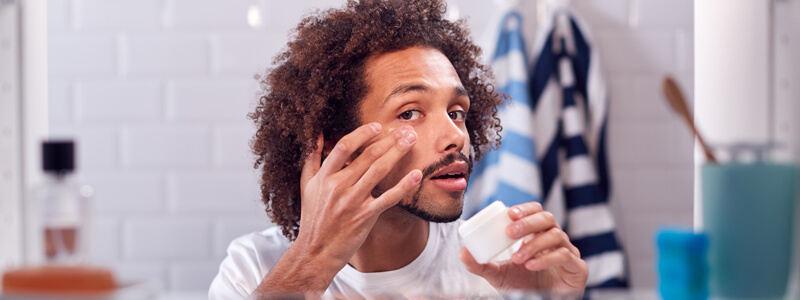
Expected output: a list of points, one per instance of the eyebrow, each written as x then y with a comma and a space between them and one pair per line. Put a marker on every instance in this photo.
406, 88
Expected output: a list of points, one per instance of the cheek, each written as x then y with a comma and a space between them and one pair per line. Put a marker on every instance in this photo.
467, 144
404, 165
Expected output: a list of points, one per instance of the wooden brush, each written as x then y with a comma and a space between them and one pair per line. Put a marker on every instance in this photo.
678, 103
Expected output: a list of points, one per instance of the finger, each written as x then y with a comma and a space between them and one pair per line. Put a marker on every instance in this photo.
531, 224
380, 168
377, 150
472, 265
347, 146
313, 161
395, 194
549, 240
561, 257
469, 261
521, 210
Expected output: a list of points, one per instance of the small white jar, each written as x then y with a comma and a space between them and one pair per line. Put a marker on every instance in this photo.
484, 234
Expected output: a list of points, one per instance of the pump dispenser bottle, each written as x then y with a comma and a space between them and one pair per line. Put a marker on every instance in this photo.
63, 206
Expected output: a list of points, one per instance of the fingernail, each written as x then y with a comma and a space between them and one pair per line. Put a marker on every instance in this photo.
416, 177
516, 211
411, 137
375, 126
514, 229
519, 256
400, 132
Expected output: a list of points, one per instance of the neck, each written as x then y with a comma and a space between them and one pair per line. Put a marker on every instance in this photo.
395, 241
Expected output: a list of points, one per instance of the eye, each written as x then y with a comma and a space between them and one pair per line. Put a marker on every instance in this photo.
458, 115
410, 115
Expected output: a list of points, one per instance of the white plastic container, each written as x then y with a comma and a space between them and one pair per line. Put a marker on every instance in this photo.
484, 234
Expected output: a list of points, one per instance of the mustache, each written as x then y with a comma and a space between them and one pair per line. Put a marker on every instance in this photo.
446, 161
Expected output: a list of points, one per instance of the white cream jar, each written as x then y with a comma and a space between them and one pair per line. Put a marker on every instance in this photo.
484, 234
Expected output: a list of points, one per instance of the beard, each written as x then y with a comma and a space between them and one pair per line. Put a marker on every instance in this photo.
414, 207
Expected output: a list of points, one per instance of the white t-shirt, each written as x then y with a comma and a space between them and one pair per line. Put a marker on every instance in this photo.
436, 272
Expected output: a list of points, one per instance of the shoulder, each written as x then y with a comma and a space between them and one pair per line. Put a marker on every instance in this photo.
266, 242
249, 258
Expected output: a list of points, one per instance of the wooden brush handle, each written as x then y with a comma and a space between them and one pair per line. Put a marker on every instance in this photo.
678, 103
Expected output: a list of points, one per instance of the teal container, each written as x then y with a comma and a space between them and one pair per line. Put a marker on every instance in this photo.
747, 215
682, 266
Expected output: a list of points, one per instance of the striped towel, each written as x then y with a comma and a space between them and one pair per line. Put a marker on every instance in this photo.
509, 174
571, 106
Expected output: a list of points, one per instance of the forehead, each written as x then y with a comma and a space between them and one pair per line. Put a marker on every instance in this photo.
417, 65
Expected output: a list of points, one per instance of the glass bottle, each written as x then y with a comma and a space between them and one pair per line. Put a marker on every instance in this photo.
60, 209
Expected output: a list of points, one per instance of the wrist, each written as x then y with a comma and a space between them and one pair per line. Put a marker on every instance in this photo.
304, 267
318, 258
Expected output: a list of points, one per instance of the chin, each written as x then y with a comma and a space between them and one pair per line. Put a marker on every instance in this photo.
444, 208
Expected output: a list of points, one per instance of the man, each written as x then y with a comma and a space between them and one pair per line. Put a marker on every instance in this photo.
366, 133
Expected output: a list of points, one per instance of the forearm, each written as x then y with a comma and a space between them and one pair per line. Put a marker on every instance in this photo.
299, 270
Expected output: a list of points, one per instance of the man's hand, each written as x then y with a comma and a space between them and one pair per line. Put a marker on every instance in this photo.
338, 210
546, 261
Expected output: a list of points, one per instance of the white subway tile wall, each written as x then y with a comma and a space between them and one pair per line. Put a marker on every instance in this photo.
118, 99
164, 54
167, 238
98, 145
215, 192
103, 15
127, 192
167, 146
207, 15
210, 99
237, 52
156, 93
105, 229
61, 107
228, 151
82, 55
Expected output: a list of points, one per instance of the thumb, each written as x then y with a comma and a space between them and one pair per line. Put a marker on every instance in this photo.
491, 271
472, 265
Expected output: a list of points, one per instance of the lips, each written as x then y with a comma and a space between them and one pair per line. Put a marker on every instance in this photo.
452, 177
456, 169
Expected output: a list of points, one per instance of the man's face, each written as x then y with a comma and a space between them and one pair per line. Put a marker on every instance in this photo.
419, 87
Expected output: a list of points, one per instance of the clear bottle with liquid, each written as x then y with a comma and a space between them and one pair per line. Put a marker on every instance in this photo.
60, 209
57, 214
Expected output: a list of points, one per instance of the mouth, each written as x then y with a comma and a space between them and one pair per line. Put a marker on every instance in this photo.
452, 178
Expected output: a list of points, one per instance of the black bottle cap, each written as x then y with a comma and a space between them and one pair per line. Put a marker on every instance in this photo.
58, 156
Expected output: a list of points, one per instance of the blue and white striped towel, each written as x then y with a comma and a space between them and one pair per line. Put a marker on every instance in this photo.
571, 104
509, 174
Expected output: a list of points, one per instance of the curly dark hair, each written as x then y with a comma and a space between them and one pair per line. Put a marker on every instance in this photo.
318, 81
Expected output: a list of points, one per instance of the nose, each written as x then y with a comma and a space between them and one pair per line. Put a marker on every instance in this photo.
450, 136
